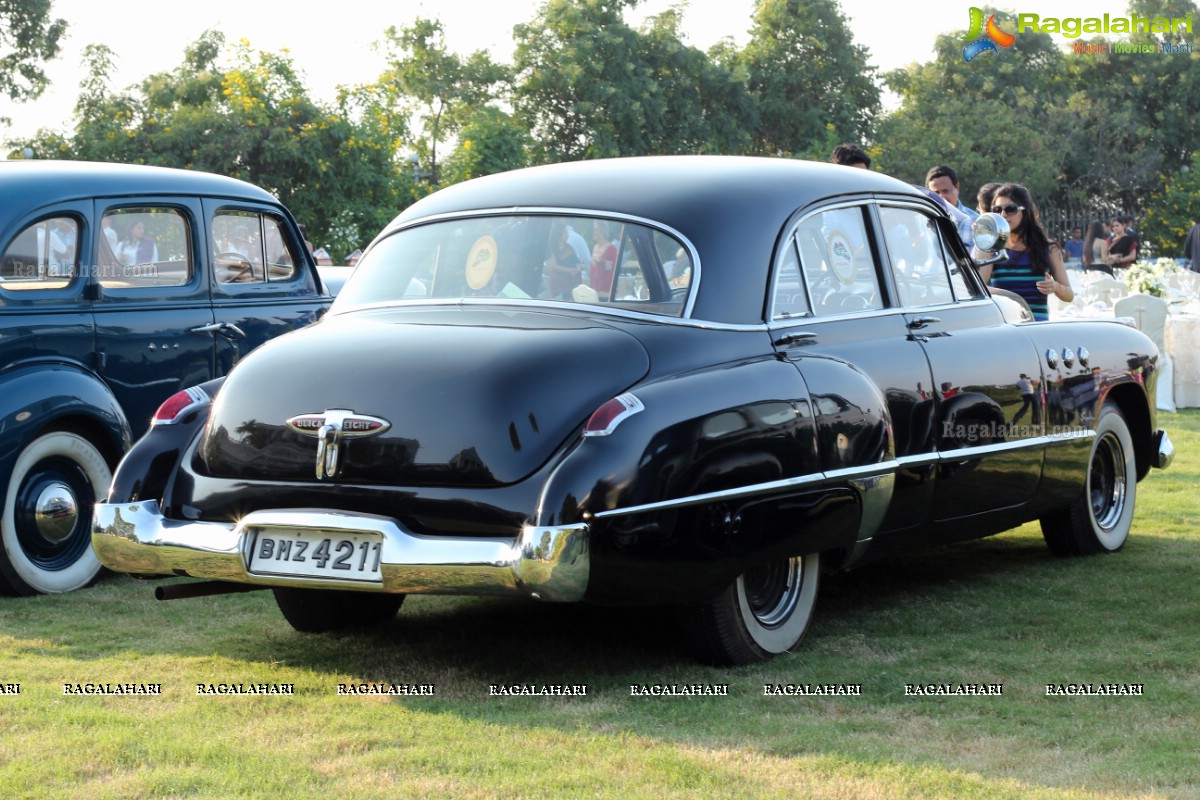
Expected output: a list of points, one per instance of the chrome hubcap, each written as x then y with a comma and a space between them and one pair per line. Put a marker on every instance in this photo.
1107, 482
773, 590
56, 512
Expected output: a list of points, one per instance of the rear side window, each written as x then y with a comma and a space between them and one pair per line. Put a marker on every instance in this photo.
837, 263
144, 246
790, 298
249, 247
44, 255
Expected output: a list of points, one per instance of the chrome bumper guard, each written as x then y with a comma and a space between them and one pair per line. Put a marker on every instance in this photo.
1164, 451
545, 563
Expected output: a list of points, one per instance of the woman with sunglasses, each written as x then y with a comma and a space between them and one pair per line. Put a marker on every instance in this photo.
1034, 268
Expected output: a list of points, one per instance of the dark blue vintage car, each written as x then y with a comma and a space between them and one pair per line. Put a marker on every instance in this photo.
119, 286
689, 380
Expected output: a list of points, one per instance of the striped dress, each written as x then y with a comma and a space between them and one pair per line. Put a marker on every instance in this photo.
1015, 276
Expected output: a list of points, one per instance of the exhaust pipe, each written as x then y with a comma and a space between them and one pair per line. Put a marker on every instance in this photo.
182, 591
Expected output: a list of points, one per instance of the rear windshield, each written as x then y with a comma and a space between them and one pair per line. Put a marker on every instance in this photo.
527, 258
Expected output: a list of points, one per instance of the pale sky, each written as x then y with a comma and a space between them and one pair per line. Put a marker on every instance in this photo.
332, 43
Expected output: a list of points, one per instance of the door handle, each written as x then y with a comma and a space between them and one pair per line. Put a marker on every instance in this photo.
226, 329
212, 327
231, 331
795, 338
921, 322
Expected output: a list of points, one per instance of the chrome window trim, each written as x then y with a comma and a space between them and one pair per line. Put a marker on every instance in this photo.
546, 305
905, 203
862, 203
790, 237
546, 211
788, 322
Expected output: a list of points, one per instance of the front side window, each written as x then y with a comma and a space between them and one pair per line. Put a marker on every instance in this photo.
45, 255
144, 246
918, 258
249, 247
539, 258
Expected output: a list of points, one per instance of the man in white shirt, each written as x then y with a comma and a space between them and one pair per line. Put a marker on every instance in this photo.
944, 180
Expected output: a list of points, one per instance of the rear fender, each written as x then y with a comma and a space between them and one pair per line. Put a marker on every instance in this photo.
147, 470
723, 468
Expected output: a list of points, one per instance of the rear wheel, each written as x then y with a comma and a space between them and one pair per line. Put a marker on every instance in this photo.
324, 611
45, 528
763, 613
1098, 521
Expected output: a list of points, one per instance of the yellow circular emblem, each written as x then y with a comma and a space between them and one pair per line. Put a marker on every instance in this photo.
481, 262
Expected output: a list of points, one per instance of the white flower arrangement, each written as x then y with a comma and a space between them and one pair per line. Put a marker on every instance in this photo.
1150, 277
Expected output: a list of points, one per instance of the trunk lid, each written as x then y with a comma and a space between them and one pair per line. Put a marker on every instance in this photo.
470, 397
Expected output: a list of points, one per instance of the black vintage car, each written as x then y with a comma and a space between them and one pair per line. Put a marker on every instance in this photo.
690, 380
119, 286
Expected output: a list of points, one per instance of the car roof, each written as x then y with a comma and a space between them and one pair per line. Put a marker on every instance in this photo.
30, 184
731, 208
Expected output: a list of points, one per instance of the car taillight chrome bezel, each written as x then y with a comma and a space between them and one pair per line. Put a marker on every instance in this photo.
605, 419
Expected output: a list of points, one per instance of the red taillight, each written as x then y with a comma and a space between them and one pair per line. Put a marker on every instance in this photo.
178, 405
606, 418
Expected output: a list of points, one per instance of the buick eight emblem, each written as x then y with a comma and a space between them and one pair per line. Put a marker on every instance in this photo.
329, 428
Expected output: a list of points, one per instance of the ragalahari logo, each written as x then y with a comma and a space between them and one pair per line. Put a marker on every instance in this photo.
984, 37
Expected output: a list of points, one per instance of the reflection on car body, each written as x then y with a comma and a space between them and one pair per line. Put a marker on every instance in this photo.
819, 392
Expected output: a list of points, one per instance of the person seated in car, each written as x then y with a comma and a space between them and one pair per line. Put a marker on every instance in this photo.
563, 270
679, 270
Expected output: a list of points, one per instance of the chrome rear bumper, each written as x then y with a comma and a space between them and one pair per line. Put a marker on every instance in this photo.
544, 563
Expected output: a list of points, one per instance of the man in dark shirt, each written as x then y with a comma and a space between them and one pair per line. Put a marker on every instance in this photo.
1191, 247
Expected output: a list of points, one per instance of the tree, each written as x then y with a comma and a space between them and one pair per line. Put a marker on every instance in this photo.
490, 141
590, 86
1092, 133
993, 119
1171, 211
436, 88
1149, 110
28, 37
805, 73
252, 120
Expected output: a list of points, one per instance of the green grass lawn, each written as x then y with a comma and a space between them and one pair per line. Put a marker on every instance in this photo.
997, 611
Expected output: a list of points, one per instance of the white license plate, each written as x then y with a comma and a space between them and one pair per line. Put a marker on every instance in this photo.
331, 555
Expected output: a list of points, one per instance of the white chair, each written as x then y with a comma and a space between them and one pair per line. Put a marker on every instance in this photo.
1149, 313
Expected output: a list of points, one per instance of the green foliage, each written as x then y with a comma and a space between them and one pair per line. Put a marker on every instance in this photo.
1084, 131
1001, 610
1088, 134
252, 120
490, 141
590, 86
1173, 210
991, 119
805, 74
28, 37
436, 90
